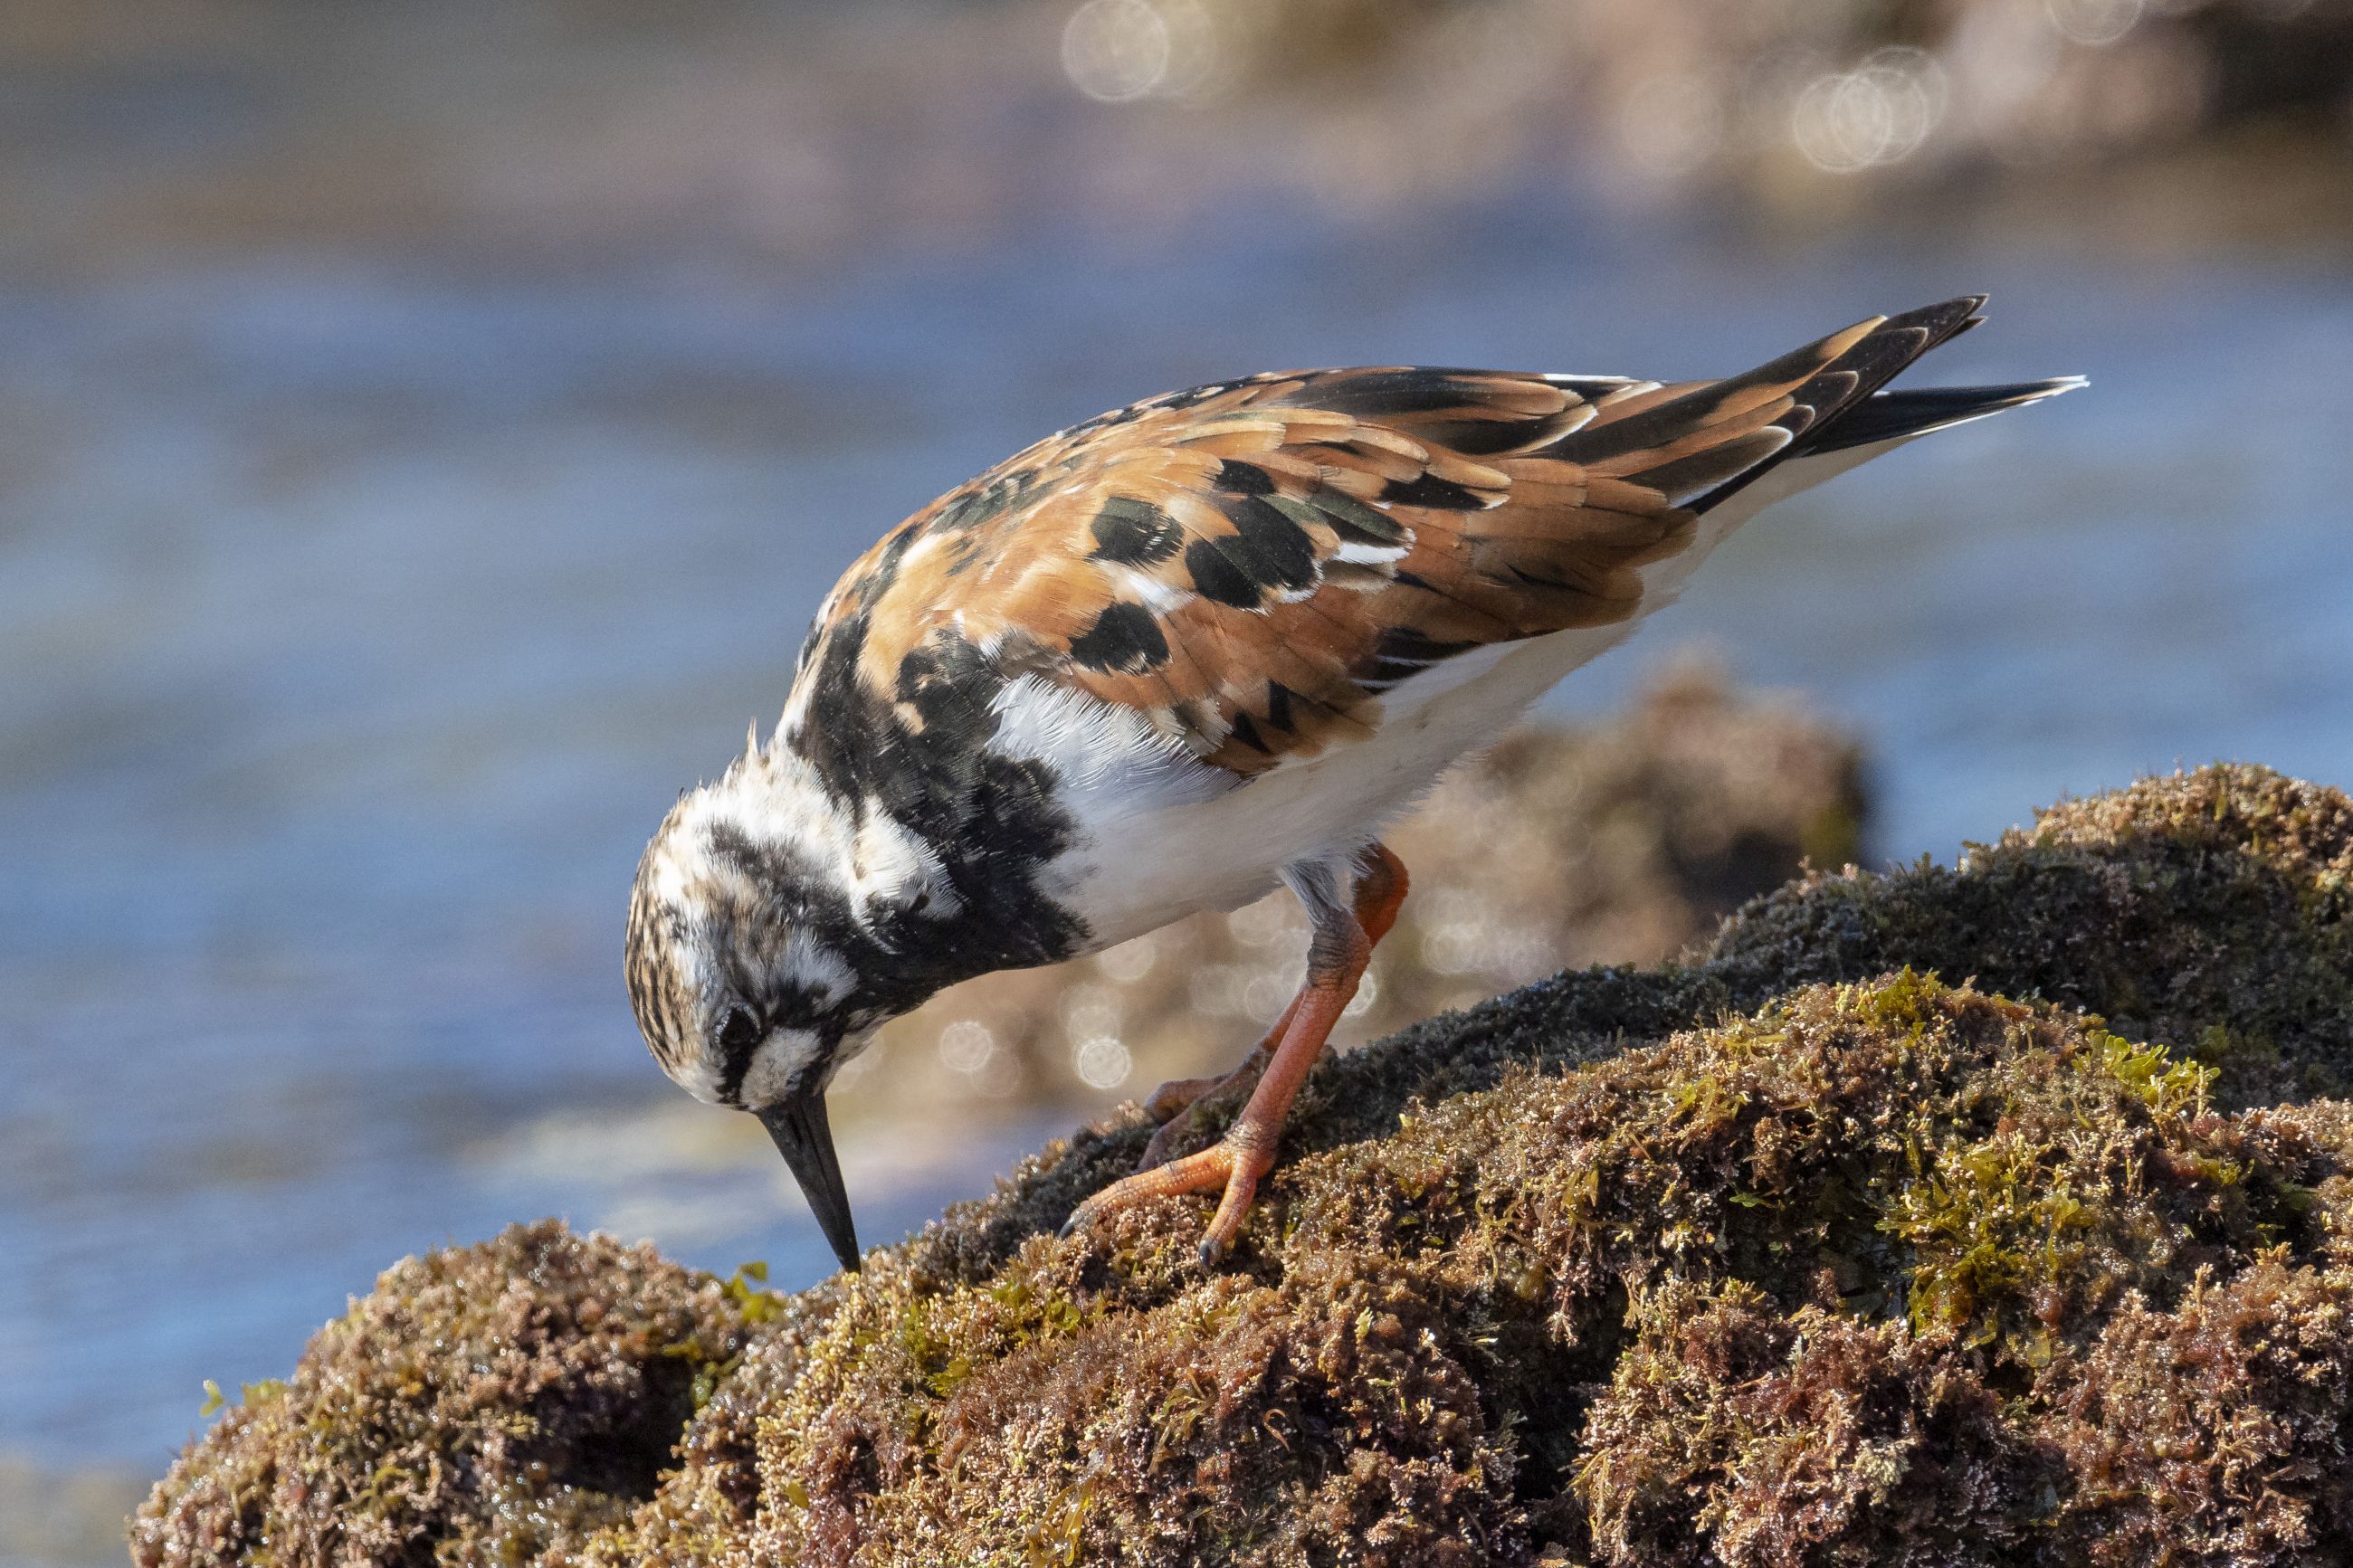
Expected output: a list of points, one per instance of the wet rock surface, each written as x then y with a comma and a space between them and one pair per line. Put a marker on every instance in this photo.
1990, 1215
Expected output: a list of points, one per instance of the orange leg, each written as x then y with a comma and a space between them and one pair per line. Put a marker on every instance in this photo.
1379, 891
1172, 1100
1337, 953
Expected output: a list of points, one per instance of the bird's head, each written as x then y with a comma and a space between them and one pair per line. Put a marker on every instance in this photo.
754, 967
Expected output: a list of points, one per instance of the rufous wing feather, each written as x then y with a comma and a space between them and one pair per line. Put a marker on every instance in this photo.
1251, 565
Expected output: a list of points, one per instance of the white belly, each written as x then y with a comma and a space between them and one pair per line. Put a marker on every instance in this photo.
1163, 838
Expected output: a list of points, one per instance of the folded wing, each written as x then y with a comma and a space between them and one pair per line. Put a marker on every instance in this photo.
1251, 565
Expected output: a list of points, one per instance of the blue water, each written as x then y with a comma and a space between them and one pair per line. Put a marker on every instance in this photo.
361, 623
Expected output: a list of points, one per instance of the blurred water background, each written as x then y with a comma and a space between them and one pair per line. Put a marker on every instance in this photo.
425, 428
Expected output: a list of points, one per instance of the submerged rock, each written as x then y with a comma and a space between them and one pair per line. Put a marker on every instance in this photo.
1797, 1254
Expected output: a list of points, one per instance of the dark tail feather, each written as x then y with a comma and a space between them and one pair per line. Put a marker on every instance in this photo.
1699, 445
1823, 403
1889, 415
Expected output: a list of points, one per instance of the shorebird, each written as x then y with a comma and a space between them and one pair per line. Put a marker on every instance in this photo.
1167, 659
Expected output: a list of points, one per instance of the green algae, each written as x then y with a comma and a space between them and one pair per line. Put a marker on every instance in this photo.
1990, 1215
261, 1392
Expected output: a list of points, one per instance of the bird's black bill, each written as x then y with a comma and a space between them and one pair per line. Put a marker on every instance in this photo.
806, 1140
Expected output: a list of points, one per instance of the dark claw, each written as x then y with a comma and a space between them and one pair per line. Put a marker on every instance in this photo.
1070, 1228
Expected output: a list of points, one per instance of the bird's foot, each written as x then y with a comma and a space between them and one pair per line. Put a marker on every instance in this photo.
1173, 1102
1271, 1075
1175, 1096
1233, 1164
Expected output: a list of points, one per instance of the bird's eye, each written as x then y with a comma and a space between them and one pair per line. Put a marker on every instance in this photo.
738, 1031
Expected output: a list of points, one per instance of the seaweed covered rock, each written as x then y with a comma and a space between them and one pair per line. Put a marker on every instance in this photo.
2208, 909
2214, 1433
1796, 1255
484, 1404
1735, 1431
1861, 1277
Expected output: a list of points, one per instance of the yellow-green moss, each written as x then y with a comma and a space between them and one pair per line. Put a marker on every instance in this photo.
1918, 1207
1735, 1431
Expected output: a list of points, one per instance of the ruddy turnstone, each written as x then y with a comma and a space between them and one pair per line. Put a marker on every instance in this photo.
1169, 658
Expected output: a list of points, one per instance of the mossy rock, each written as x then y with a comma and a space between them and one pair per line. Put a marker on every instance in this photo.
482, 1404
2208, 910
1797, 1254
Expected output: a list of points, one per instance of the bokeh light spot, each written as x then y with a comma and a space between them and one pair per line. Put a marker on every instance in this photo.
1129, 961
2094, 22
1103, 1063
1116, 51
1672, 123
1089, 1010
1880, 113
966, 1046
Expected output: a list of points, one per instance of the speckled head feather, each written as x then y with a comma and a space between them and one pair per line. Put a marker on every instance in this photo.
663, 993
744, 940
777, 918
